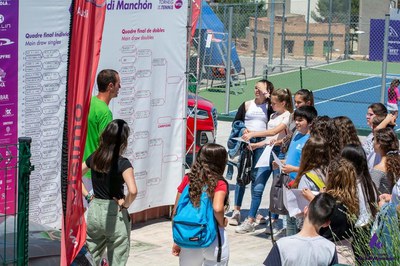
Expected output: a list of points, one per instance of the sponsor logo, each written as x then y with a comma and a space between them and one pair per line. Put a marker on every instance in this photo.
374, 242
392, 32
8, 131
178, 4
8, 112
4, 26
2, 77
5, 41
4, 97
166, 4
5, 56
5, 2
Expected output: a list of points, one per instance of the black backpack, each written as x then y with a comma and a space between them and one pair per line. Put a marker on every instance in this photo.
245, 164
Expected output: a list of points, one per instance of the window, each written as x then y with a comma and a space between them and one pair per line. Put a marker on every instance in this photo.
265, 44
328, 47
289, 46
308, 47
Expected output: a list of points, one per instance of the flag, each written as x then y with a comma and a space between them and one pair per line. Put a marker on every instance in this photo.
87, 17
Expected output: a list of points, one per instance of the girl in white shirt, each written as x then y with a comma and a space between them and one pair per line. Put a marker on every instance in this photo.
277, 128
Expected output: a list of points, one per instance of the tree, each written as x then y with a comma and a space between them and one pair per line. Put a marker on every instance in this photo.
340, 12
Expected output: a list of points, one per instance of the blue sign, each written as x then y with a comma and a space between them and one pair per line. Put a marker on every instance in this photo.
376, 38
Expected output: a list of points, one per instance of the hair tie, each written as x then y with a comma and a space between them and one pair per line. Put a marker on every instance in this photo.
392, 153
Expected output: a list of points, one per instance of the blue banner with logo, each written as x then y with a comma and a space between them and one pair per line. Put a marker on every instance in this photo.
377, 32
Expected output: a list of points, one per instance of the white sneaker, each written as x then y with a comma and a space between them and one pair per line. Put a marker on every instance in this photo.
235, 218
260, 219
275, 228
246, 227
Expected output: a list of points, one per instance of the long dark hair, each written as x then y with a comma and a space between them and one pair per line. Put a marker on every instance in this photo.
389, 145
306, 96
378, 109
206, 171
356, 155
347, 131
113, 143
315, 154
324, 127
342, 184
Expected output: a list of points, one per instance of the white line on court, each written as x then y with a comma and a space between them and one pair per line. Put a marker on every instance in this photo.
348, 94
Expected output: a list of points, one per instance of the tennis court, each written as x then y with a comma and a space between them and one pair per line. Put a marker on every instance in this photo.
345, 88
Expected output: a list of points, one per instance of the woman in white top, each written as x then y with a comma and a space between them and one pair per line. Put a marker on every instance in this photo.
277, 128
255, 114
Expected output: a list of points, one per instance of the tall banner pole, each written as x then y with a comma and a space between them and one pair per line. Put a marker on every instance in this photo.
85, 41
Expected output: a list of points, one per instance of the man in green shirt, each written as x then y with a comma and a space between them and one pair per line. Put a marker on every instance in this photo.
108, 83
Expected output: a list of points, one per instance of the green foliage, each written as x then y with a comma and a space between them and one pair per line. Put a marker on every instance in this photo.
340, 12
388, 253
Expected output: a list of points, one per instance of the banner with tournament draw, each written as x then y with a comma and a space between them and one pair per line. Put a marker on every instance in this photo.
145, 41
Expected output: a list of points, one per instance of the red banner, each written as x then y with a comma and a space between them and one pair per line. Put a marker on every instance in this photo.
86, 35
196, 5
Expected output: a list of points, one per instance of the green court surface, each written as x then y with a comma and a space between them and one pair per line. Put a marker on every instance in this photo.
312, 78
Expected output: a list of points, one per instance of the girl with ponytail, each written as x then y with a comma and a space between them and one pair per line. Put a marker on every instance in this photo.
108, 222
207, 172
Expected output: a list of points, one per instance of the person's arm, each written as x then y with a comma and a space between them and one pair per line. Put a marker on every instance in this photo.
274, 257
265, 133
307, 194
384, 198
390, 119
287, 168
254, 146
178, 195
129, 179
85, 169
219, 207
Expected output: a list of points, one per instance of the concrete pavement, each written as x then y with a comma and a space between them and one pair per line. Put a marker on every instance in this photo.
151, 242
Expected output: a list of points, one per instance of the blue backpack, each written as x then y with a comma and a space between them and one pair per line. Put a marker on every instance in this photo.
194, 227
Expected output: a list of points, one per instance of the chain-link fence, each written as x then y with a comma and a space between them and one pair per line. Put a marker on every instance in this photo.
15, 169
276, 34
339, 45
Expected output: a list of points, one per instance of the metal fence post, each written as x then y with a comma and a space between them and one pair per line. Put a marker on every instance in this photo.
329, 32
385, 56
307, 33
24, 172
255, 40
271, 33
283, 33
228, 62
347, 40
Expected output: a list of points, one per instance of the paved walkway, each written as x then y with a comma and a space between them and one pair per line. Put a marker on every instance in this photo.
152, 241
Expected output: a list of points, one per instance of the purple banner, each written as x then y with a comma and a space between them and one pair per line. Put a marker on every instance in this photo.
8, 103
377, 32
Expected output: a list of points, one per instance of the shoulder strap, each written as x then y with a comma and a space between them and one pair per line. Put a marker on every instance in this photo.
315, 179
